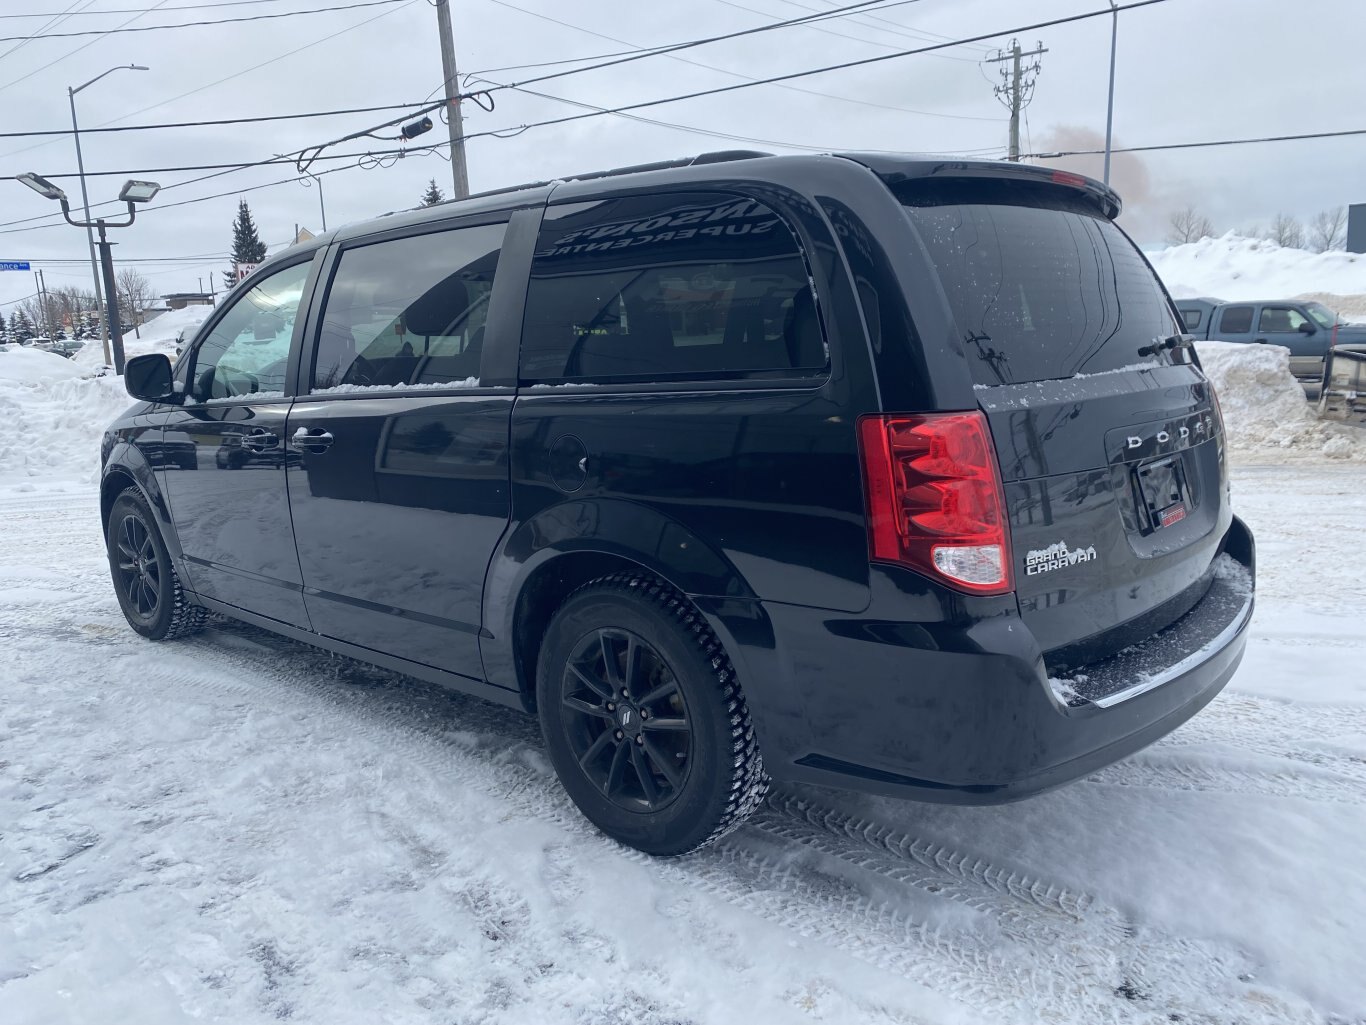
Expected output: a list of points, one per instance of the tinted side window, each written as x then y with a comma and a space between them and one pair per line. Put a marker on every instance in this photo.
683, 286
408, 312
1192, 318
248, 349
1236, 320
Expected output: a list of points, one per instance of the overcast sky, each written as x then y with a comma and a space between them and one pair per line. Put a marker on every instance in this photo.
1187, 70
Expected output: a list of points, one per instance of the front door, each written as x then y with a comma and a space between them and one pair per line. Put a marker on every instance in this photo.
401, 489
1292, 327
230, 505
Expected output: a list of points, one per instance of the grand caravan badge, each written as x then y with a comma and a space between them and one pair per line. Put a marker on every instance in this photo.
1056, 556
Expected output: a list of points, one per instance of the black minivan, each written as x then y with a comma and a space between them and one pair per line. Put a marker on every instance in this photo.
886, 473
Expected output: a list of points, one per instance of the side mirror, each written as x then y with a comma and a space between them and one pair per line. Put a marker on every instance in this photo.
149, 378
1306, 328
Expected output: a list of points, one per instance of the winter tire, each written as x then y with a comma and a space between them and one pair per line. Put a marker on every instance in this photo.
643, 718
148, 589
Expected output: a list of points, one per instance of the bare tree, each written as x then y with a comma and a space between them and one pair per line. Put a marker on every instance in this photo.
1286, 231
1188, 225
72, 305
1328, 230
135, 295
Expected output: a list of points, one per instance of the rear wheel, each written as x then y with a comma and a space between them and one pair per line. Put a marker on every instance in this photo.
148, 589
643, 718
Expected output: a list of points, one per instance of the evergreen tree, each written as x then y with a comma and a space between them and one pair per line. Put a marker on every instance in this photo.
247, 246
433, 195
20, 327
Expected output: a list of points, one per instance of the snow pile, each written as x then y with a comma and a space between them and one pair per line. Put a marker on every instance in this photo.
157, 336
52, 416
35, 366
1233, 267
1264, 406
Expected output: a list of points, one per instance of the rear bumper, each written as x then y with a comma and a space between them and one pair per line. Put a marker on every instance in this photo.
961, 710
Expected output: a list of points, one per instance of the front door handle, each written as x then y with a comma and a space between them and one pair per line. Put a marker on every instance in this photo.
258, 439
312, 439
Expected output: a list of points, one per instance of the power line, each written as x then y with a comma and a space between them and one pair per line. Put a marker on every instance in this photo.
72, 52
1195, 145
668, 50
195, 24
862, 62
210, 85
219, 121
141, 10
657, 102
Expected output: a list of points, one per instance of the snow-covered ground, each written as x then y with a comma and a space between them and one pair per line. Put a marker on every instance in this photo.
239, 828
1233, 267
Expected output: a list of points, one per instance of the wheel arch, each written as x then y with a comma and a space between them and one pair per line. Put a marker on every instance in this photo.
128, 468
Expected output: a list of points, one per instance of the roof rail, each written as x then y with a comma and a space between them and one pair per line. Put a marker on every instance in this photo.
714, 157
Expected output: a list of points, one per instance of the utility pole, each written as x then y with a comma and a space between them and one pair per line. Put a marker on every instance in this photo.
460, 178
1017, 86
47, 305
1110, 102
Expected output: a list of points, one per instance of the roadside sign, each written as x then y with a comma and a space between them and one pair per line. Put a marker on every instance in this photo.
14, 265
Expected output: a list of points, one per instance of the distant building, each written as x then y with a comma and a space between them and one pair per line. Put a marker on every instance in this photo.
302, 235
179, 300
1356, 228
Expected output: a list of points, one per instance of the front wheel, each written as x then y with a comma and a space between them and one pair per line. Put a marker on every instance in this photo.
148, 589
643, 718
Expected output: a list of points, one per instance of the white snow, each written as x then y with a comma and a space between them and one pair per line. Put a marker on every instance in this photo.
239, 828
1264, 406
1233, 267
158, 335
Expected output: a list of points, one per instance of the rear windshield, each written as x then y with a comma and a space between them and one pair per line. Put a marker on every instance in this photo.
1041, 286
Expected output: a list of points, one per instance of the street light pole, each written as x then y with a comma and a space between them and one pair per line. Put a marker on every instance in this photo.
1110, 103
71, 92
133, 193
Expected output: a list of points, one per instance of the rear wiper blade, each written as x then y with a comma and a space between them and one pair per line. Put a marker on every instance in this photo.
1167, 344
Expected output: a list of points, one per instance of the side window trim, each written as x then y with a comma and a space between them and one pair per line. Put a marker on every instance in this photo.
185, 365
304, 358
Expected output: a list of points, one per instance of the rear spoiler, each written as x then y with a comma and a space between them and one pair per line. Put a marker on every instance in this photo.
895, 170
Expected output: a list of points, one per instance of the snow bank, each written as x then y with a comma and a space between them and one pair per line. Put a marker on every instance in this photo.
52, 417
34, 366
157, 336
1264, 406
1233, 267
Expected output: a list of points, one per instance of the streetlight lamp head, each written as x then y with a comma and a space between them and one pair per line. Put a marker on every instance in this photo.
41, 185
138, 192
138, 67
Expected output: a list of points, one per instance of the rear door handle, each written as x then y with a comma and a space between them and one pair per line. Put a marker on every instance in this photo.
258, 439
312, 439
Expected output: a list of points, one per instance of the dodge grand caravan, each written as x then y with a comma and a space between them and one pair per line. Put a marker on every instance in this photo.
886, 473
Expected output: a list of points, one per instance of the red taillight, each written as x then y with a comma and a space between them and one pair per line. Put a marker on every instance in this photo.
1068, 178
934, 498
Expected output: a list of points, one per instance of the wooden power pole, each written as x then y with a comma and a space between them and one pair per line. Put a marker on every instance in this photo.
460, 177
1017, 85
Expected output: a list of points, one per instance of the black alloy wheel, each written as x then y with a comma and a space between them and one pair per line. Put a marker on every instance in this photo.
145, 580
625, 719
139, 568
643, 717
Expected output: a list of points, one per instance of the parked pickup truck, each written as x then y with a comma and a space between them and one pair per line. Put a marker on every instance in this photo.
1307, 329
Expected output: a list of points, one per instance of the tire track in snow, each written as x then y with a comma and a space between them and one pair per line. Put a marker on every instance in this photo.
1318, 785
1066, 957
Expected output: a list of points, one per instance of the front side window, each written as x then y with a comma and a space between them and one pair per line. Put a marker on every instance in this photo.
1236, 320
698, 286
408, 312
1281, 319
246, 353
